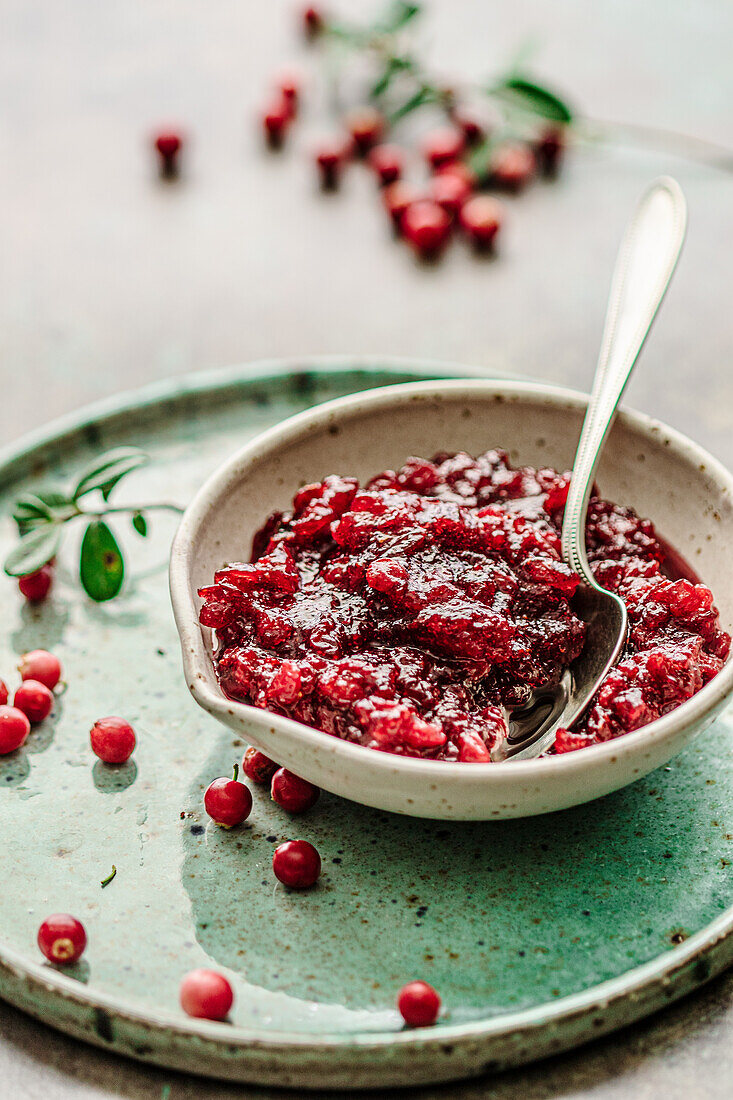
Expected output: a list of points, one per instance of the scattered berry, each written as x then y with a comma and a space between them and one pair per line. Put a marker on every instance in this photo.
40, 665
297, 864
289, 89
450, 191
3, 693
112, 740
549, 150
294, 794
312, 22
397, 197
36, 586
386, 161
35, 700
168, 146
481, 219
419, 1004
14, 728
443, 146
227, 801
426, 227
258, 767
276, 119
330, 159
206, 995
366, 126
62, 939
513, 166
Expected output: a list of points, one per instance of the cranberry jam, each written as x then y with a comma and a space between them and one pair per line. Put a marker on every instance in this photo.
409, 615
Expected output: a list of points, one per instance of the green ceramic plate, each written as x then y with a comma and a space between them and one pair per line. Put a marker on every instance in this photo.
539, 934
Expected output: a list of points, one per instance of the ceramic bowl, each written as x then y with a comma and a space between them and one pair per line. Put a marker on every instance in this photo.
646, 465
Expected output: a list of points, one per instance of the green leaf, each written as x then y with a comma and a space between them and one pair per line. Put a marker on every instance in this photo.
533, 99
101, 567
32, 509
104, 473
140, 524
33, 550
420, 97
393, 66
397, 17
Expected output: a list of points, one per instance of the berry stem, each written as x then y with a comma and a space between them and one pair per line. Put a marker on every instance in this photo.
106, 881
235, 772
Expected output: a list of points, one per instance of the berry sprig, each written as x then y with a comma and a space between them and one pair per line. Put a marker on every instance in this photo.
523, 138
41, 518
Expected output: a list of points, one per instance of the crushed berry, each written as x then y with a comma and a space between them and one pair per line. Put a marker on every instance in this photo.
409, 615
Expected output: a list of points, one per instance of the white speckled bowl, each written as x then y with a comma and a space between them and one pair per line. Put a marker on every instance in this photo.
657, 471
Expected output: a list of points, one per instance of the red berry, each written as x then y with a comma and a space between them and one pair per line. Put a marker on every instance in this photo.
330, 158
419, 1004
62, 939
470, 125
366, 126
3, 693
206, 995
481, 219
443, 146
112, 739
450, 191
386, 161
296, 863
168, 145
457, 168
512, 166
426, 227
227, 801
397, 197
40, 665
258, 767
312, 22
289, 89
14, 728
294, 794
34, 699
549, 149
276, 119
36, 586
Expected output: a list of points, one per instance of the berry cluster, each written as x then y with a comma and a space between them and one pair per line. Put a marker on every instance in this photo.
467, 155
33, 700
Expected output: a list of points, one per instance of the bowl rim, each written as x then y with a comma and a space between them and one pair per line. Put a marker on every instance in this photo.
196, 660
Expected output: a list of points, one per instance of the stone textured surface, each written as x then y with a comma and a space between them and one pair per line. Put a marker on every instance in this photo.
111, 279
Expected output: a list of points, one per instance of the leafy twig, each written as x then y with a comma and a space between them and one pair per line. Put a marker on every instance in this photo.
42, 516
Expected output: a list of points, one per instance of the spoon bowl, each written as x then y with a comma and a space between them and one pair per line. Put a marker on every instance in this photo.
644, 465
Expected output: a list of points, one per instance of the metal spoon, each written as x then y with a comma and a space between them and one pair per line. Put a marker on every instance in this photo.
644, 267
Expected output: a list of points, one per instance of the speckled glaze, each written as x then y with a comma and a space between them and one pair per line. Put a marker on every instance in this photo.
539, 934
644, 464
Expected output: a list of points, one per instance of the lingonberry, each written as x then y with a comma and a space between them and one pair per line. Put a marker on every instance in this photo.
397, 197
450, 191
227, 801
297, 864
366, 126
289, 88
426, 227
112, 740
481, 219
62, 939
512, 166
442, 146
168, 145
3, 693
275, 119
35, 700
36, 586
418, 1004
14, 728
206, 995
40, 665
258, 767
460, 169
330, 158
294, 794
470, 125
549, 149
387, 162
312, 22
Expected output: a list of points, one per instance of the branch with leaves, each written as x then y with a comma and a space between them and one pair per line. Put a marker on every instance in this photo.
42, 517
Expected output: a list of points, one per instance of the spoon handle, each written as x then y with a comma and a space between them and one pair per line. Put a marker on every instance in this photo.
644, 267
